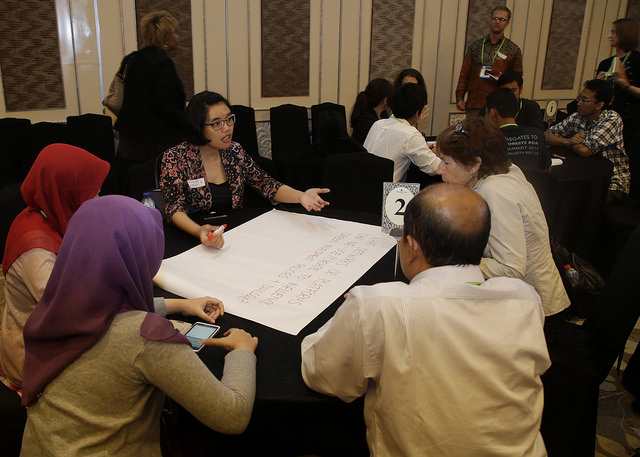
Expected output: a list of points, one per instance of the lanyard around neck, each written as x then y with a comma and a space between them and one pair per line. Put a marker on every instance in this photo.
613, 61
519, 109
497, 51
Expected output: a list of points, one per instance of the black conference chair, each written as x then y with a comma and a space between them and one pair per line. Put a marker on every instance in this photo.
245, 133
330, 134
583, 357
244, 130
328, 121
13, 148
414, 174
94, 133
43, 134
356, 179
11, 204
289, 131
290, 147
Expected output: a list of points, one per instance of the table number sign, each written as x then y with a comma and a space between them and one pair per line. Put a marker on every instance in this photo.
395, 197
551, 111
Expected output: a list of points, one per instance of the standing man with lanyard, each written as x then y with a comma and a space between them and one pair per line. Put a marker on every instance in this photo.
486, 59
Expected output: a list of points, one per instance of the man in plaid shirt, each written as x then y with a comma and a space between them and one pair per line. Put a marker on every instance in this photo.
594, 130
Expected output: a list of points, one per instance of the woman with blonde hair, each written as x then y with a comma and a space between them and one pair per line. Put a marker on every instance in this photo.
151, 118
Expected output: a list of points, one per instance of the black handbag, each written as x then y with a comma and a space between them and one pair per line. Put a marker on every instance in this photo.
585, 293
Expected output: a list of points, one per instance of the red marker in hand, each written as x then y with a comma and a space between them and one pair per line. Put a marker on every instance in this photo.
217, 232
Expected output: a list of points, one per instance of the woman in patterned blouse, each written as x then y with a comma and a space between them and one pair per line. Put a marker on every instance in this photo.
208, 171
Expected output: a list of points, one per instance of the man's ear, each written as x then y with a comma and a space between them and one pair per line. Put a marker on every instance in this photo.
413, 249
490, 114
600, 105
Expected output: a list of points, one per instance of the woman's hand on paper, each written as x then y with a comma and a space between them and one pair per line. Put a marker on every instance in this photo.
215, 241
234, 338
311, 199
207, 309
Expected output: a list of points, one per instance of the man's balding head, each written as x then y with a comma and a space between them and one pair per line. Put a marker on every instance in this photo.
450, 223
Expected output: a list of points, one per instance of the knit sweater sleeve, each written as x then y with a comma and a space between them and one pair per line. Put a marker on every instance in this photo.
223, 405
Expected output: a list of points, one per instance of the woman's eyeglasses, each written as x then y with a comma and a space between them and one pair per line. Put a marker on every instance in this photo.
217, 125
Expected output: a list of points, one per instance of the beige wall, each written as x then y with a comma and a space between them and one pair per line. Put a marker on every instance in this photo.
95, 34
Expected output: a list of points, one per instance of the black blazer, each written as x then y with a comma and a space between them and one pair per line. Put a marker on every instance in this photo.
154, 99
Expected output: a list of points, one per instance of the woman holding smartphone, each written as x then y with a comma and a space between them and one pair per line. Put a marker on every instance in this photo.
96, 381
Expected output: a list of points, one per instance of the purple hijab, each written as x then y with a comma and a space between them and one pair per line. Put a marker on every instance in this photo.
110, 253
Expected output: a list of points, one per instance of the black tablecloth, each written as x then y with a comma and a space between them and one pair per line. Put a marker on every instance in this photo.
288, 417
573, 196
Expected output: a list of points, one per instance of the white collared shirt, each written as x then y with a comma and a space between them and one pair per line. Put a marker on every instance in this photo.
448, 364
399, 141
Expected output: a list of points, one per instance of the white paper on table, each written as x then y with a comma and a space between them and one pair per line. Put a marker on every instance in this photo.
280, 269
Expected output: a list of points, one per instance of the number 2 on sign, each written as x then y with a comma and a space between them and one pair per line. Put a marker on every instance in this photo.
400, 211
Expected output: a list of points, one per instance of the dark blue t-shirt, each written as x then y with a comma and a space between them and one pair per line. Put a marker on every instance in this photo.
527, 147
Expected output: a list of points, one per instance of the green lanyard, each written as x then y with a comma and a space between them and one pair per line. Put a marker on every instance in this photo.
519, 109
508, 125
613, 61
496, 54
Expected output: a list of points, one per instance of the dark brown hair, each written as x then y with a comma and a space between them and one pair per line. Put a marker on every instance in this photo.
409, 72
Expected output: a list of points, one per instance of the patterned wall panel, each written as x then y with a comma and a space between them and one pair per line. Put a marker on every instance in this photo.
30, 55
183, 56
391, 38
285, 47
563, 46
478, 19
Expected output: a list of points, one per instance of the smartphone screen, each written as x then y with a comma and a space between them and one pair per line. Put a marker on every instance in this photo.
200, 331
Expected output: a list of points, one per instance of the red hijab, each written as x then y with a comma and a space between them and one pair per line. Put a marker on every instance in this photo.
60, 180
106, 264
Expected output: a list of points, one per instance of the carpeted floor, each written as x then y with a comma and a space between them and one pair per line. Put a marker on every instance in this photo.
618, 424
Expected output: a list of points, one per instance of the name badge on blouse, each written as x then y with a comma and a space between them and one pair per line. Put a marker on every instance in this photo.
501, 55
195, 183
